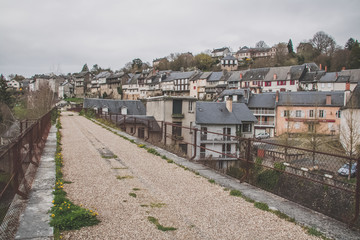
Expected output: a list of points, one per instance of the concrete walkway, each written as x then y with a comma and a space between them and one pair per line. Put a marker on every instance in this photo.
34, 221
330, 227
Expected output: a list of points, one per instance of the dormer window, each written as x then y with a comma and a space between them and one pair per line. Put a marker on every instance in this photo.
124, 110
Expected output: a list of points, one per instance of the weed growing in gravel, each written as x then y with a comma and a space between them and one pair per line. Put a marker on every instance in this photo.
136, 189
159, 226
132, 194
144, 205
124, 177
314, 232
109, 157
164, 157
64, 214
157, 205
170, 161
119, 168
153, 151
211, 181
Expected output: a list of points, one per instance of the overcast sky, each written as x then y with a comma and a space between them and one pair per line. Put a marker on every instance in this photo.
43, 36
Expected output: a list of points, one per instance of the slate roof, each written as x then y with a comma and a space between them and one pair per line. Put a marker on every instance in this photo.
296, 72
114, 106
312, 76
235, 76
103, 75
354, 101
328, 77
205, 75
310, 99
217, 114
179, 75
256, 74
229, 57
281, 73
353, 74
220, 49
140, 119
215, 76
262, 100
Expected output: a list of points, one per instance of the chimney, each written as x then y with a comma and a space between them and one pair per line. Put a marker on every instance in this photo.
347, 86
229, 104
277, 96
320, 66
343, 68
328, 99
325, 68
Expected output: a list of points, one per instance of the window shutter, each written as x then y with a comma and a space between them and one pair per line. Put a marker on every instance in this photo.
324, 113
282, 113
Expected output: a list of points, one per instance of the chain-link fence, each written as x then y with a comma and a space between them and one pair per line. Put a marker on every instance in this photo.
16, 160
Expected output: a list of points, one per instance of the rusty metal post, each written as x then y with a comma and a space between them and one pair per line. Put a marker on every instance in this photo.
148, 129
357, 194
17, 170
165, 133
195, 143
116, 118
248, 153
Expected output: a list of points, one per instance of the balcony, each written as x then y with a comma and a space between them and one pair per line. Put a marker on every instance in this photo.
263, 112
219, 139
265, 124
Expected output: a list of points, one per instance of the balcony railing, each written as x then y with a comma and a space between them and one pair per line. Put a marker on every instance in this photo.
204, 138
263, 123
177, 115
263, 111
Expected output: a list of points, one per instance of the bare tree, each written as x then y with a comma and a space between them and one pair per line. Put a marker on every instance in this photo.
261, 44
41, 101
349, 131
323, 43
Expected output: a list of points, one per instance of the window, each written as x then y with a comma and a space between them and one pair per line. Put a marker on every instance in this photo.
177, 106
176, 129
203, 133
329, 85
292, 82
183, 148
191, 106
321, 113
338, 114
286, 113
268, 84
311, 127
227, 131
279, 83
298, 113
246, 128
311, 113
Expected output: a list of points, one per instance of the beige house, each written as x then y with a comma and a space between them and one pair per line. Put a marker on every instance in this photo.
179, 112
299, 112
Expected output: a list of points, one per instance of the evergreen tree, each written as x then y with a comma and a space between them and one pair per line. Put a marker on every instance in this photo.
354, 61
290, 47
5, 96
350, 44
85, 68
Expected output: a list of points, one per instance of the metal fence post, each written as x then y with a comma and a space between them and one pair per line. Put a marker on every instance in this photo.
165, 133
357, 194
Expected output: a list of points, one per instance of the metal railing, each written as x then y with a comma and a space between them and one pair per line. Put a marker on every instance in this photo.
15, 160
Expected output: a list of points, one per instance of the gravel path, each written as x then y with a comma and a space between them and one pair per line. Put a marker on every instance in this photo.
176, 197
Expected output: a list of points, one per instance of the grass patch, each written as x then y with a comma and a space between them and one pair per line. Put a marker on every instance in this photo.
124, 177
132, 194
262, 206
312, 231
170, 161
159, 226
144, 205
136, 189
109, 157
283, 215
211, 181
153, 151
235, 193
141, 145
157, 205
248, 199
164, 157
64, 214
67, 182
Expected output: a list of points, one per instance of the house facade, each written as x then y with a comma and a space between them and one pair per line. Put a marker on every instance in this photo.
180, 112
219, 123
299, 112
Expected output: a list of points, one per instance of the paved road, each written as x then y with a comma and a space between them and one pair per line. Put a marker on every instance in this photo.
95, 159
